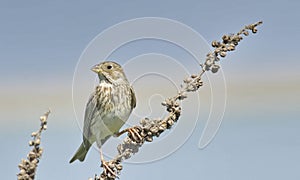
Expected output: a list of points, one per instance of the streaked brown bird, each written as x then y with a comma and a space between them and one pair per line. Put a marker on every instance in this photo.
108, 107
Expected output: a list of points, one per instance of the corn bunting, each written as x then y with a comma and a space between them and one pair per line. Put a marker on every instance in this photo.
108, 107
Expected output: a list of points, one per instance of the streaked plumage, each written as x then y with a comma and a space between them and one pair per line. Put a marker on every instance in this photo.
108, 107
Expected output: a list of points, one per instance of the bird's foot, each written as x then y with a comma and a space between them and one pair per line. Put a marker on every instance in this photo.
133, 133
107, 167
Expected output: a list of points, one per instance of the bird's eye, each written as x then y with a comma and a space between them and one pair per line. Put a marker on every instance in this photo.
109, 67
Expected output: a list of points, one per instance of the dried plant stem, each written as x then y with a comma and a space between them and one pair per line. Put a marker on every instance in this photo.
148, 129
28, 166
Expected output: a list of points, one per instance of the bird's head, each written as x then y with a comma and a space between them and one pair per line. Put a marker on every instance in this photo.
111, 72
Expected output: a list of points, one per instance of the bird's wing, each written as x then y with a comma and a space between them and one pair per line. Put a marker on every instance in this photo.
88, 117
133, 98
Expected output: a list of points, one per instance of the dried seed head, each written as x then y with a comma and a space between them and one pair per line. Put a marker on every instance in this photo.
217, 50
34, 161
215, 68
214, 44
26, 177
194, 76
41, 151
43, 119
149, 139
170, 122
154, 130
163, 126
226, 38
181, 96
223, 54
187, 80
34, 134
21, 166
246, 33
119, 167
22, 171
37, 141
31, 156
231, 47
209, 62
31, 143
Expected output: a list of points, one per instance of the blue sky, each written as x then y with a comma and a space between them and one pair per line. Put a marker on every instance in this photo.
41, 43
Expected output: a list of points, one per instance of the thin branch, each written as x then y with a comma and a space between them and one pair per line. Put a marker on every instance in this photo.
28, 167
148, 129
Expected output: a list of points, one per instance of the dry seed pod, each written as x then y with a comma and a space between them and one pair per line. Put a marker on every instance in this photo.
223, 54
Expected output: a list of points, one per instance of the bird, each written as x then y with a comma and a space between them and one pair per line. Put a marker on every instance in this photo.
108, 107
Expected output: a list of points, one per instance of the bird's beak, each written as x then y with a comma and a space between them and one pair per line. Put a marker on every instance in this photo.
96, 68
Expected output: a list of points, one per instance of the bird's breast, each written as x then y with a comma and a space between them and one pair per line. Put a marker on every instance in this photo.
114, 100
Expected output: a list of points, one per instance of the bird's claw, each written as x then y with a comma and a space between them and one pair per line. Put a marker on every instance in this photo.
107, 169
133, 133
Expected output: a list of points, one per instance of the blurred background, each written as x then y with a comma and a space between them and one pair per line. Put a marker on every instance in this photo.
41, 45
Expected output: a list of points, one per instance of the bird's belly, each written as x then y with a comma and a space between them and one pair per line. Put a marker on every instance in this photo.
105, 126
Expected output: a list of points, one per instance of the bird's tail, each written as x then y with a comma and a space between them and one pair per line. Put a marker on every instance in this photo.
81, 152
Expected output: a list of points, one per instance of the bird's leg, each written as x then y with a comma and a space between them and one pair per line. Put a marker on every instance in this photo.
106, 166
132, 132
